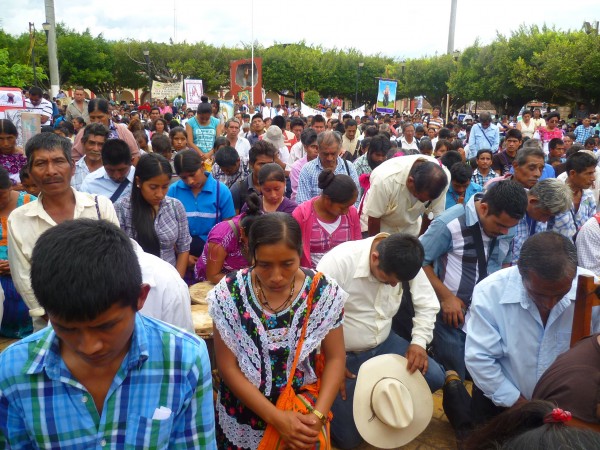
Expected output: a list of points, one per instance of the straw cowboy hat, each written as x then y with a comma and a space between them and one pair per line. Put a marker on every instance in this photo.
391, 406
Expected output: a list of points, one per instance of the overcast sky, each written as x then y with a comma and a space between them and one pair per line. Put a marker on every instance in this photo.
400, 29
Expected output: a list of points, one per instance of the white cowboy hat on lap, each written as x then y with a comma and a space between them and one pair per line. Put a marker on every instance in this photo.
391, 406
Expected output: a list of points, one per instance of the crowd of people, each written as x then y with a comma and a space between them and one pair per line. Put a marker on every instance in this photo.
358, 263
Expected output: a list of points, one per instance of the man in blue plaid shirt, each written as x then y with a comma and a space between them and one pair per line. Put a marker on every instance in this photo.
102, 376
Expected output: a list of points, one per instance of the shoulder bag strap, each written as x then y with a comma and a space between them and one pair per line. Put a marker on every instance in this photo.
485, 136
97, 207
119, 190
233, 228
481, 259
309, 300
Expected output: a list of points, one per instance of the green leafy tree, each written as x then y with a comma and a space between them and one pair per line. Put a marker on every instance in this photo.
17, 75
311, 98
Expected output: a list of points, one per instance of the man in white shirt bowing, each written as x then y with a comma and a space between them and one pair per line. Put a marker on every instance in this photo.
371, 271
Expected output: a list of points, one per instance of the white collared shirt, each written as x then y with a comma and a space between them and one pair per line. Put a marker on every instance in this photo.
169, 296
371, 305
28, 222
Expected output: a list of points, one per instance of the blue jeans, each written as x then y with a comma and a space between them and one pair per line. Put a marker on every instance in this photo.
343, 430
449, 347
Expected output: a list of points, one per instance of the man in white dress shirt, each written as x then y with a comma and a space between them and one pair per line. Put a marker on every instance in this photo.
371, 271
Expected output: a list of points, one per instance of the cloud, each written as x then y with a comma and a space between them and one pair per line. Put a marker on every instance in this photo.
404, 29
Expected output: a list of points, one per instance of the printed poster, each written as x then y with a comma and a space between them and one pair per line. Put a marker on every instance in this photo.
386, 96
241, 73
193, 93
166, 90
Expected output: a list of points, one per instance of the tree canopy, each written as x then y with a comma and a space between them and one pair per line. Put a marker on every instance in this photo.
532, 63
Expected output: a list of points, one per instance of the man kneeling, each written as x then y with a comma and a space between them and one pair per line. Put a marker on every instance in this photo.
101, 375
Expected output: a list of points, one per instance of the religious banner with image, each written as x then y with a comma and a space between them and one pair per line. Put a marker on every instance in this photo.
386, 96
242, 73
193, 93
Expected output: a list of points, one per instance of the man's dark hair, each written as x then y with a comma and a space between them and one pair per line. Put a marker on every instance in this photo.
425, 144
116, 151
484, 150
94, 129
161, 144
400, 255
554, 142
351, 123
580, 161
450, 158
445, 133
296, 122
262, 148
279, 121
429, 177
590, 141
256, 116
36, 90
155, 108
515, 134
227, 156
48, 142
506, 196
114, 275
317, 118
550, 255
460, 173
308, 137
379, 144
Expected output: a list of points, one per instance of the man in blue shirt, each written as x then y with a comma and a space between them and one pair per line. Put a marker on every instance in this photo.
462, 246
102, 375
484, 135
461, 187
515, 333
114, 179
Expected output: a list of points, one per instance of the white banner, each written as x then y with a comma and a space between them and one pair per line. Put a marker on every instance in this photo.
306, 111
166, 90
193, 92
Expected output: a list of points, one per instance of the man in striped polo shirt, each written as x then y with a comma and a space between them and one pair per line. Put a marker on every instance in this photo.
462, 246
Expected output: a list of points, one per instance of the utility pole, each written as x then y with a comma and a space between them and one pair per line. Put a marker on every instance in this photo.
453, 7
52, 54
32, 45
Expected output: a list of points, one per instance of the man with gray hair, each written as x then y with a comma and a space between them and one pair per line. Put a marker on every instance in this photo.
330, 144
545, 200
484, 135
515, 334
528, 166
520, 322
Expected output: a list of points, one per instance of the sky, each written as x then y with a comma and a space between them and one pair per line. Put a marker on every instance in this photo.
400, 29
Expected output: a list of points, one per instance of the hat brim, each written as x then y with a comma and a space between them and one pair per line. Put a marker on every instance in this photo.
374, 431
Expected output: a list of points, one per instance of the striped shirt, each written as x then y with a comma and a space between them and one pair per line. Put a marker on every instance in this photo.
43, 406
582, 133
43, 108
450, 247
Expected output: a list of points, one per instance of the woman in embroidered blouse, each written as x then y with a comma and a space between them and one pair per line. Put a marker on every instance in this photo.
157, 222
11, 158
330, 219
16, 322
258, 314
226, 247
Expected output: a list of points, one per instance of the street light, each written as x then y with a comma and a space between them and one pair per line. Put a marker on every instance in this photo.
46, 27
360, 66
147, 58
